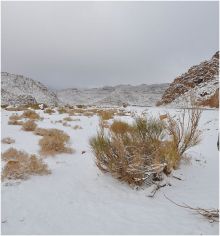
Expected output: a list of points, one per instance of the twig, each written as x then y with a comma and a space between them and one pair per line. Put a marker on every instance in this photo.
211, 214
158, 186
177, 177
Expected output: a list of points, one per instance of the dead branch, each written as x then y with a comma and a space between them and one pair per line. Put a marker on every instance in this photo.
211, 214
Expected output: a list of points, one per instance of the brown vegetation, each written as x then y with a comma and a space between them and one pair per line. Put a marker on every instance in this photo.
29, 125
49, 111
54, 141
135, 152
30, 115
21, 165
213, 101
8, 140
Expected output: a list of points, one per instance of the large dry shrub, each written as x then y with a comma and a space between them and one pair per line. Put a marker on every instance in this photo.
20, 165
137, 152
30, 114
29, 125
54, 141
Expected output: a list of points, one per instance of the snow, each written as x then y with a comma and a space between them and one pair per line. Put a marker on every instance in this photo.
79, 199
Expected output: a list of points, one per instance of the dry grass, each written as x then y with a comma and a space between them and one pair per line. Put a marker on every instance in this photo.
77, 127
14, 119
40, 131
30, 115
49, 111
8, 140
68, 118
29, 125
213, 101
62, 110
106, 114
135, 152
54, 141
21, 165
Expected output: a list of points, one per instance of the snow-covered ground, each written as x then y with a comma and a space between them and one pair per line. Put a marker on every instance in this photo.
76, 198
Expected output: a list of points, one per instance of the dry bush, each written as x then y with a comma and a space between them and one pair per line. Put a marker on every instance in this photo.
53, 142
77, 127
14, 119
49, 111
67, 118
213, 101
106, 114
30, 115
21, 165
137, 152
29, 125
119, 127
17, 108
62, 110
8, 140
40, 131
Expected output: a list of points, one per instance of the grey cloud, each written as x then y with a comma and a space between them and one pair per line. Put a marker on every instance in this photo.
87, 44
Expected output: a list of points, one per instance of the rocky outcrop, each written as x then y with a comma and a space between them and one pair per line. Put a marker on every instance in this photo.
17, 89
199, 76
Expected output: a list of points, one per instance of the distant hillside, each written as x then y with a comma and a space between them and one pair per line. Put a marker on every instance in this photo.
17, 89
200, 82
141, 95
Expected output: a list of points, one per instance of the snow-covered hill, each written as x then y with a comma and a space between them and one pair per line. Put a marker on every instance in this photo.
200, 82
17, 89
142, 95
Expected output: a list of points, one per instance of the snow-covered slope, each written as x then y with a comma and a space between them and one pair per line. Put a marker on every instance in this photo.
17, 89
200, 82
142, 95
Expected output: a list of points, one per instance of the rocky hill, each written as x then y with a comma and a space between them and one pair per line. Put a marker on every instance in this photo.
17, 89
200, 83
141, 95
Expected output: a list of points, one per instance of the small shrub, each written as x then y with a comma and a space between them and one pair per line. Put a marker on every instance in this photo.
14, 119
21, 165
213, 101
67, 118
119, 127
40, 131
77, 127
49, 111
106, 114
8, 140
54, 141
30, 115
62, 110
29, 125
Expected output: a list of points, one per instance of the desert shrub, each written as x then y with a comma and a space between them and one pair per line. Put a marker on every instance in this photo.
40, 131
49, 111
14, 119
80, 106
106, 114
8, 140
67, 118
29, 125
77, 127
30, 115
3, 106
54, 141
213, 101
21, 165
184, 129
119, 127
137, 152
62, 110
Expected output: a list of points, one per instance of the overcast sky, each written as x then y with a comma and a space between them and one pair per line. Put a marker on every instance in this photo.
91, 44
